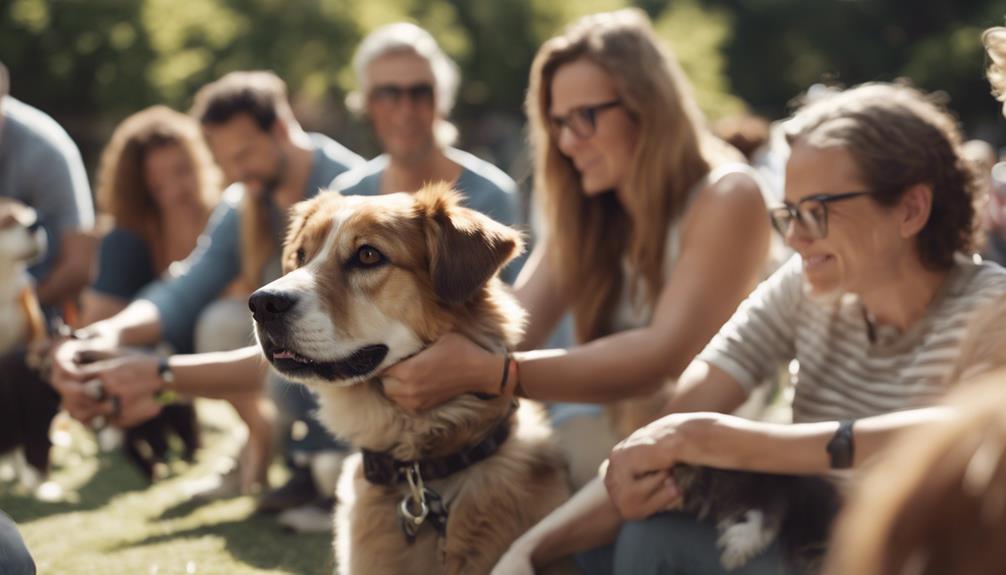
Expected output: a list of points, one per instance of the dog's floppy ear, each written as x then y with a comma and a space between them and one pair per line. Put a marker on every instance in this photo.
466, 248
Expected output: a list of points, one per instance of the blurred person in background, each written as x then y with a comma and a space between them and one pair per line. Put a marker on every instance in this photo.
41, 166
157, 186
407, 86
254, 137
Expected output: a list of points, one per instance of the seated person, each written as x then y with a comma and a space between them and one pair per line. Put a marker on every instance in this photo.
407, 87
260, 146
935, 504
157, 185
874, 306
41, 167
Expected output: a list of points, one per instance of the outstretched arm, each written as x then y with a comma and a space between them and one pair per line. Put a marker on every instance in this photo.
723, 246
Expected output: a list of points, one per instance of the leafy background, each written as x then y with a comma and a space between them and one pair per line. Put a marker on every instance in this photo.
89, 63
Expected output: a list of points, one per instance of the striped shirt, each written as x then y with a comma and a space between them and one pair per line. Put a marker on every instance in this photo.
842, 373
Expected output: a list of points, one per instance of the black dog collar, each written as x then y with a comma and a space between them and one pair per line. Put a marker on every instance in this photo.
381, 468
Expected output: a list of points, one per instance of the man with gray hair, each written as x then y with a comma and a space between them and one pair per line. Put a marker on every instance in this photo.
407, 88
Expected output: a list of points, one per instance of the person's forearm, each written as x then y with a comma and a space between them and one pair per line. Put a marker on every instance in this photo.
735, 443
71, 270
586, 521
219, 374
63, 283
626, 365
138, 324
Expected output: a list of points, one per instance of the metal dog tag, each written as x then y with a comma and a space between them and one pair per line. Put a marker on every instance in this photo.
411, 522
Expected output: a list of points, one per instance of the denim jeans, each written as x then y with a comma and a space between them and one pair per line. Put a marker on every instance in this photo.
14, 556
672, 544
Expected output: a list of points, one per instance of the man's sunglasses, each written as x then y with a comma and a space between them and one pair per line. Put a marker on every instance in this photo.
421, 93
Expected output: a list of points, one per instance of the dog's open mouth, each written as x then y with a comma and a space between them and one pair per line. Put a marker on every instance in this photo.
359, 363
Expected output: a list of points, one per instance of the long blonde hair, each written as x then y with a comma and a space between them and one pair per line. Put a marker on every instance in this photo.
122, 192
674, 151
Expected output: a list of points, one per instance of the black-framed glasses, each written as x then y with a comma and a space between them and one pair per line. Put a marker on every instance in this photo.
811, 212
582, 120
421, 93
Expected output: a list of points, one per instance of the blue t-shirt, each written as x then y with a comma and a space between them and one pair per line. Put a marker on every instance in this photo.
125, 267
216, 260
41, 167
486, 189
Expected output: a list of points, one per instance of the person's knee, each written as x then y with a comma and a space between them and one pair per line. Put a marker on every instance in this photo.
14, 556
652, 545
17, 561
223, 325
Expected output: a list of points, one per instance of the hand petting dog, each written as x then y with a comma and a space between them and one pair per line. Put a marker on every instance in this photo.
638, 476
421, 382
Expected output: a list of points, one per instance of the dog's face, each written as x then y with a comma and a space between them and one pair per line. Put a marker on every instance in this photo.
371, 280
21, 238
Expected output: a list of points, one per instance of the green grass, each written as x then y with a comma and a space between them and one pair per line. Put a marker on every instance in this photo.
108, 521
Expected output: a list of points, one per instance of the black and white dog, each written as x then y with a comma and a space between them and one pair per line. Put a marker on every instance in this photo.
751, 510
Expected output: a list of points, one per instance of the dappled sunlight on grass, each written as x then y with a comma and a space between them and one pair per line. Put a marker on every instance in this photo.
109, 521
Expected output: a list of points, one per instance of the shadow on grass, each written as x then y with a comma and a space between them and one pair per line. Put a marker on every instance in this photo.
182, 509
113, 477
259, 542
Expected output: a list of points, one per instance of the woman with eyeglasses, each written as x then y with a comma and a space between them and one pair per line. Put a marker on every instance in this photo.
654, 231
874, 307
407, 87
935, 503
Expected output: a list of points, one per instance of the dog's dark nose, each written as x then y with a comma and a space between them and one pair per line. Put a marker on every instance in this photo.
268, 305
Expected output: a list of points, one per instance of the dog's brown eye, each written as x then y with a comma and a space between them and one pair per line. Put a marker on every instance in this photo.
301, 256
368, 256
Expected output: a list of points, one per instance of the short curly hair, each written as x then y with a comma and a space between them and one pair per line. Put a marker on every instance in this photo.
899, 137
995, 43
260, 94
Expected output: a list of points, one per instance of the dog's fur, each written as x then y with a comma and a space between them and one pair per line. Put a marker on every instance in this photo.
21, 243
148, 446
436, 274
27, 403
752, 510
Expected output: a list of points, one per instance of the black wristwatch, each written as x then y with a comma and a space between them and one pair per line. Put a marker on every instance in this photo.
167, 394
841, 449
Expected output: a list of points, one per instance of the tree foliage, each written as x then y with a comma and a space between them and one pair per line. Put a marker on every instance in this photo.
91, 62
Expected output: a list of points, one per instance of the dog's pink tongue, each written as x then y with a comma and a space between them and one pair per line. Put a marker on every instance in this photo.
283, 354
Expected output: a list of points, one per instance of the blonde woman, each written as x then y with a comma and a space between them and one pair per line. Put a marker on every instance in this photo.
655, 231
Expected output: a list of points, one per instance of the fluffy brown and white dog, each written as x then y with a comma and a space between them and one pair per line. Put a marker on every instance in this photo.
21, 243
370, 281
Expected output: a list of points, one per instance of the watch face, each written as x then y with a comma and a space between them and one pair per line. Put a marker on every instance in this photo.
840, 448
164, 371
